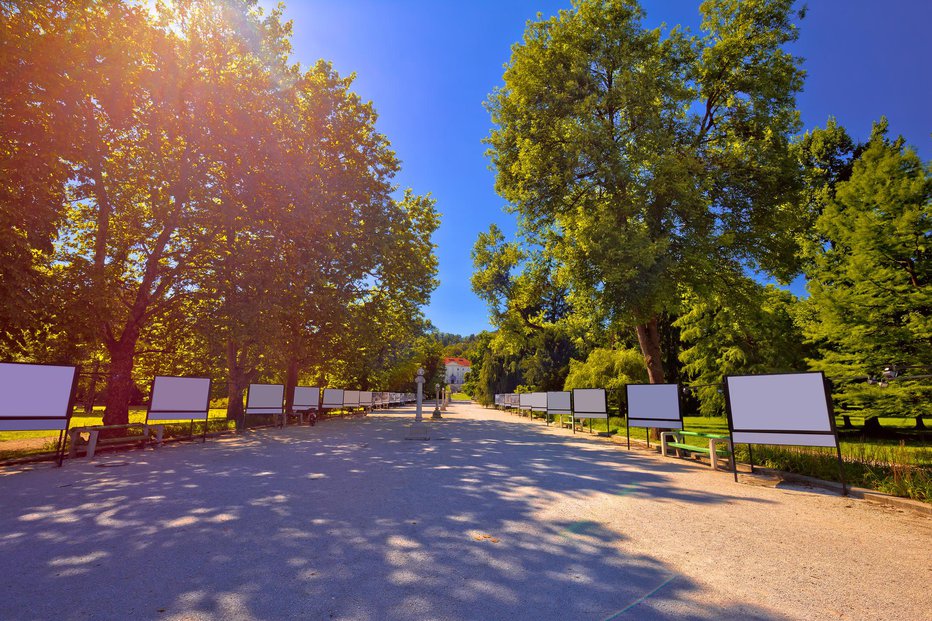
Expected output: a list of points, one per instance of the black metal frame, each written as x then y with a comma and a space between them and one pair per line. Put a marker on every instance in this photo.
570, 393
679, 406
60, 451
315, 409
210, 383
246, 407
576, 414
830, 408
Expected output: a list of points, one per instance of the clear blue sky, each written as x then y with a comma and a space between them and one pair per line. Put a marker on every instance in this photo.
427, 66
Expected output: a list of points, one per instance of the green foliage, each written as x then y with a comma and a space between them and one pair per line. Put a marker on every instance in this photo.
209, 200
647, 162
749, 330
870, 304
610, 369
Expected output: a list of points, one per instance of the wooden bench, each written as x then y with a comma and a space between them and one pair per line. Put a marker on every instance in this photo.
94, 433
675, 440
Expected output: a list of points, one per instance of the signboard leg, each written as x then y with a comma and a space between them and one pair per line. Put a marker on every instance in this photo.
751, 458
841, 470
628, 433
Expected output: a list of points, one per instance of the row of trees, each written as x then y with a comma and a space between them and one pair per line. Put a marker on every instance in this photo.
176, 195
657, 177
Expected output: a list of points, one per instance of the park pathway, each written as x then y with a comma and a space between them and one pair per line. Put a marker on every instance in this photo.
494, 518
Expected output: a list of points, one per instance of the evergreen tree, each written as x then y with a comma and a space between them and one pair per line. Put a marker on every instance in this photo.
870, 304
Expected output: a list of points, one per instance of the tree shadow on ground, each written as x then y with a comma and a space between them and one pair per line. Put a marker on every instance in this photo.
346, 520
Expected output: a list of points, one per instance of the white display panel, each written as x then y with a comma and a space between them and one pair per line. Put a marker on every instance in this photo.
306, 398
589, 403
539, 401
654, 405
38, 392
351, 398
524, 401
265, 399
559, 403
365, 398
179, 398
786, 408
333, 398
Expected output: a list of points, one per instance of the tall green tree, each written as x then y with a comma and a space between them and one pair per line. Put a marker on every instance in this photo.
750, 329
649, 162
870, 303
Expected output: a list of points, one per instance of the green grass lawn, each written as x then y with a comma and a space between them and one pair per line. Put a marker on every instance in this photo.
460, 396
216, 421
900, 464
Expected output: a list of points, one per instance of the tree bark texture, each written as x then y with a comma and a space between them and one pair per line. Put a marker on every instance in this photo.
649, 340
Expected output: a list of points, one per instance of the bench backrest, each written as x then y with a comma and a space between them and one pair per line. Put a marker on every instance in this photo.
655, 406
179, 398
306, 398
265, 399
36, 397
589, 403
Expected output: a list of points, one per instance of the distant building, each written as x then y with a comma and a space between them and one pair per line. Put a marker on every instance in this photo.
456, 370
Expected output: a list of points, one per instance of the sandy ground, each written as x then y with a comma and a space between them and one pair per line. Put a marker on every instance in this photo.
494, 518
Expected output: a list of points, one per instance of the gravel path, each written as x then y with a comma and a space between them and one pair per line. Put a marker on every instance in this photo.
494, 518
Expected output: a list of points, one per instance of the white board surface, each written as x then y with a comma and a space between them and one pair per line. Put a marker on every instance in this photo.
558, 402
365, 398
333, 398
786, 402
265, 398
654, 405
539, 401
773, 409
524, 401
589, 403
306, 398
179, 398
36, 390
351, 398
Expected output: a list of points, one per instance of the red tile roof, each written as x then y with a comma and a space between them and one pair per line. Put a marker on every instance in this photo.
460, 361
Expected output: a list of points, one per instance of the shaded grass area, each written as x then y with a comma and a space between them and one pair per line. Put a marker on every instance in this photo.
900, 463
217, 421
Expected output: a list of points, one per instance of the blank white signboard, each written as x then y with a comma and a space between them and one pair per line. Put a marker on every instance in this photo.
179, 398
589, 403
539, 401
333, 398
558, 402
35, 390
787, 408
351, 398
265, 399
365, 398
654, 405
306, 397
524, 401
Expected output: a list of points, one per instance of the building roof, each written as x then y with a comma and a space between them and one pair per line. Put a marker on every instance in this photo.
460, 361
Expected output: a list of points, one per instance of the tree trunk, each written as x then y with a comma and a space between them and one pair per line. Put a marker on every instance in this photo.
237, 382
291, 381
872, 427
919, 423
120, 377
649, 340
